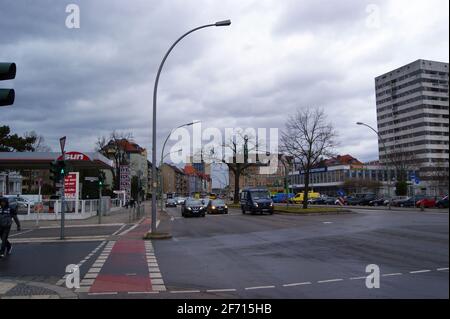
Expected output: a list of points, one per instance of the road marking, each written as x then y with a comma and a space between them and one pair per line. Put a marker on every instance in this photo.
117, 231
183, 291
330, 280
58, 240
260, 287
297, 284
24, 232
82, 226
393, 274
358, 278
328, 222
220, 290
419, 271
442, 269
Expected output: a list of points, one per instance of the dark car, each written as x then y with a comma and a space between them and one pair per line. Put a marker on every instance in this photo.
256, 200
193, 207
171, 202
330, 200
442, 203
409, 202
378, 202
360, 199
217, 206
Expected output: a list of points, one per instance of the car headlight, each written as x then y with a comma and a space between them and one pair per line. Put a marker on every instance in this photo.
226, 206
271, 204
213, 207
189, 208
256, 204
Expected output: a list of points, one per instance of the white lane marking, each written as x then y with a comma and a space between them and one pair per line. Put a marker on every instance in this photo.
23, 232
442, 269
81, 226
220, 290
419, 271
358, 278
58, 240
297, 284
118, 231
183, 291
328, 222
330, 280
260, 287
393, 274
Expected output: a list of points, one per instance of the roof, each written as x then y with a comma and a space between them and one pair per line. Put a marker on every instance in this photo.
42, 160
342, 160
126, 145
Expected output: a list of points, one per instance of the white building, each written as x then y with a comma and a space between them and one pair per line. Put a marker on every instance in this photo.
14, 181
413, 119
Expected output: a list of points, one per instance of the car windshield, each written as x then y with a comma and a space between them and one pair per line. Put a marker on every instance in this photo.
260, 195
218, 202
193, 202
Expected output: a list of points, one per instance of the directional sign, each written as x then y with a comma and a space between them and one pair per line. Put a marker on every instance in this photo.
62, 143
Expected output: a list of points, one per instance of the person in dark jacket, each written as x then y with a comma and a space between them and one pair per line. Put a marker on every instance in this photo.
15, 218
5, 227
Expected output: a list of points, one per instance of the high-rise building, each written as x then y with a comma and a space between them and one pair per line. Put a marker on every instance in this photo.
413, 118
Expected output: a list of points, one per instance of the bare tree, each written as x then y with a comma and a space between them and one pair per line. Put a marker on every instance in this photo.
112, 148
308, 138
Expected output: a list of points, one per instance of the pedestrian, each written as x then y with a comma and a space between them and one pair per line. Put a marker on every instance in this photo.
5, 227
14, 215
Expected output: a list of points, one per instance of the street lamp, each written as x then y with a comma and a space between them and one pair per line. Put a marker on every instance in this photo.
155, 90
386, 152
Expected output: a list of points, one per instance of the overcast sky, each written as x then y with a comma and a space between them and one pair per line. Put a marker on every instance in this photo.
275, 57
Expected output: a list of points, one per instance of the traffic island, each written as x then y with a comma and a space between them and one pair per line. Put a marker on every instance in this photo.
311, 211
164, 228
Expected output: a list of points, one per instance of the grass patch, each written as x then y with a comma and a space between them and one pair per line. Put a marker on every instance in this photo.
310, 210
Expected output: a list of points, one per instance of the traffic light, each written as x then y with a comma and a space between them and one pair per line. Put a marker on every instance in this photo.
55, 175
62, 168
7, 72
101, 179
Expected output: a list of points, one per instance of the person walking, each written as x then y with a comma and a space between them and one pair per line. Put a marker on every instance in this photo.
14, 215
5, 227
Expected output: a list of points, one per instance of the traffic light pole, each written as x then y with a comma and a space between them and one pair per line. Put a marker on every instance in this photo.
63, 200
100, 206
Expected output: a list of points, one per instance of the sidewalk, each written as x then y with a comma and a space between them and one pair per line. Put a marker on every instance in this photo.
23, 289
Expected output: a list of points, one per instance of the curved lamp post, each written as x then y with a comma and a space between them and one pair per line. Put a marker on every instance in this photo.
155, 90
385, 150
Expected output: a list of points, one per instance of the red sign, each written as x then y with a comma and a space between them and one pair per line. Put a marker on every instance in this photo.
71, 185
75, 156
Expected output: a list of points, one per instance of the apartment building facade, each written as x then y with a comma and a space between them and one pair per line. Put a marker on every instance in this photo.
413, 120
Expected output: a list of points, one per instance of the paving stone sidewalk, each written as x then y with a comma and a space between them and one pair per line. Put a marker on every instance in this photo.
11, 288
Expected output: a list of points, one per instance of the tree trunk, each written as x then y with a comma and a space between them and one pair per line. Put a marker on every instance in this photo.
237, 174
305, 194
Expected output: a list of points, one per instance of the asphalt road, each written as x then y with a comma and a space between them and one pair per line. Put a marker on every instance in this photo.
322, 256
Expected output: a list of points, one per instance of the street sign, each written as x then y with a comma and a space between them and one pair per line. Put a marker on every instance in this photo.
125, 179
62, 143
71, 185
91, 179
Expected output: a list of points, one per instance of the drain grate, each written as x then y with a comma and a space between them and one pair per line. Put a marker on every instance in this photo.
27, 290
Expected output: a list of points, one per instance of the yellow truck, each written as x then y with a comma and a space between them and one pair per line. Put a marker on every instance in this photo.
298, 199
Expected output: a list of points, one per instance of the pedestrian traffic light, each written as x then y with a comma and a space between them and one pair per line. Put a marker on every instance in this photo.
7, 72
101, 179
62, 167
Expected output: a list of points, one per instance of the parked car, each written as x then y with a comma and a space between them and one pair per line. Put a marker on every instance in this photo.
217, 206
330, 200
298, 198
426, 202
171, 202
282, 197
383, 201
256, 200
362, 199
442, 203
409, 202
193, 207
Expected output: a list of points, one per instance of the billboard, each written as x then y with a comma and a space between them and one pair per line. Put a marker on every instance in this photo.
71, 185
